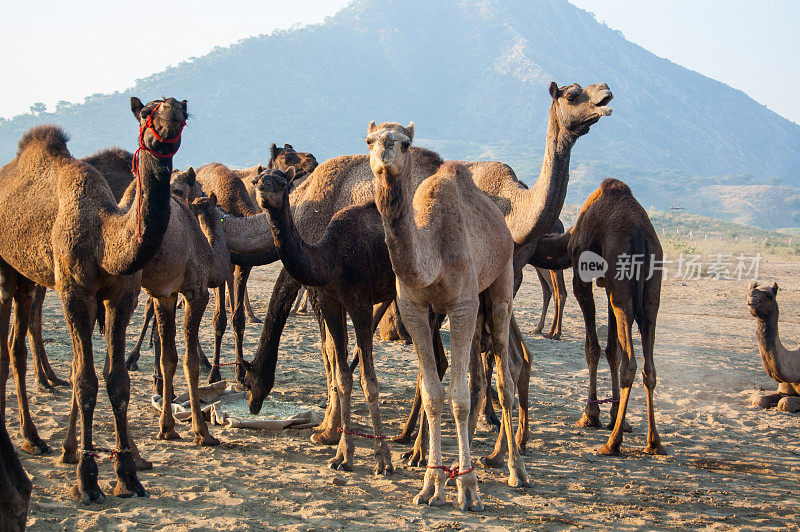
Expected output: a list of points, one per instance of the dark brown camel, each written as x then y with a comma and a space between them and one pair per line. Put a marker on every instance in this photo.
15, 486
63, 230
613, 225
351, 271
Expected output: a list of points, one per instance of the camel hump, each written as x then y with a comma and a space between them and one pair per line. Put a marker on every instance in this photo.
51, 138
454, 169
614, 186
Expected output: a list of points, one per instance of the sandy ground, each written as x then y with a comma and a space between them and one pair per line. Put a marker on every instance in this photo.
729, 464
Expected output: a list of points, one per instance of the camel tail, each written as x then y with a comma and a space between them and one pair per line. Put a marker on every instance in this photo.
639, 248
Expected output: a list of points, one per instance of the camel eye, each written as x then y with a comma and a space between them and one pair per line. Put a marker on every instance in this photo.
406, 144
370, 141
178, 192
572, 96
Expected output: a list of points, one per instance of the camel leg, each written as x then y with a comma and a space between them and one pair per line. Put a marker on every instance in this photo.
45, 376
6, 302
560, 298
415, 316
612, 357
523, 381
649, 376
23, 298
220, 324
326, 432
363, 325
119, 309
336, 323
165, 320
416, 456
133, 357
69, 447
488, 417
547, 293
623, 313
300, 302
240, 276
194, 309
80, 311
499, 297
248, 309
15, 486
583, 293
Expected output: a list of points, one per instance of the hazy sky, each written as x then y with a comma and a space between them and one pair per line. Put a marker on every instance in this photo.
54, 51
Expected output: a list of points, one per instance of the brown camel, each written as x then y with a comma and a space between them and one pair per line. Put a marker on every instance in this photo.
436, 234
782, 365
15, 486
615, 227
63, 230
553, 287
193, 257
531, 213
350, 270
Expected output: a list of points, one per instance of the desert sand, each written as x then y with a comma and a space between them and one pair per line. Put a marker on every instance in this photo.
730, 465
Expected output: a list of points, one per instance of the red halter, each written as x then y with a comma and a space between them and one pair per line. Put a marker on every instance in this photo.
148, 124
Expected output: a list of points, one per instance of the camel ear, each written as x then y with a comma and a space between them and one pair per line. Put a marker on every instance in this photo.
775, 288
290, 174
753, 285
183, 108
274, 151
554, 91
371, 127
259, 169
288, 147
191, 178
136, 107
248, 366
213, 199
410, 130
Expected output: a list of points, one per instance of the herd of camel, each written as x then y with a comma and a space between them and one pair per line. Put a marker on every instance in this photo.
399, 232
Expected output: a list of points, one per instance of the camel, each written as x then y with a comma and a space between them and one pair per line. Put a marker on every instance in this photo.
193, 257
615, 227
15, 486
350, 270
231, 188
553, 287
436, 234
782, 364
64, 231
531, 213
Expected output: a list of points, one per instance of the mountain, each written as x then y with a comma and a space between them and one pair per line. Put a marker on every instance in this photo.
473, 75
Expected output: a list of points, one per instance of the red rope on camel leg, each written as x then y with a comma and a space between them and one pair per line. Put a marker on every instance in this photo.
452, 472
361, 434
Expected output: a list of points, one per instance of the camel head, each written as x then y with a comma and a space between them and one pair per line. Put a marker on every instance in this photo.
578, 108
259, 386
161, 123
205, 207
388, 147
184, 185
284, 158
272, 188
761, 300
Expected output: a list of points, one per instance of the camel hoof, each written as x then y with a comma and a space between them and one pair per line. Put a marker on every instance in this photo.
469, 500
205, 365
132, 362
435, 500
414, 458
88, 497
36, 447
68, 457
206, 440
404, 438
168, 435
44, 386
588, 422
381, 469
537, 330
135, 489
492, 462
325, 438
339, 464
625, 426
214, 375
655, 449
522, 445
609, 450
489, 424
519, 479
253, 319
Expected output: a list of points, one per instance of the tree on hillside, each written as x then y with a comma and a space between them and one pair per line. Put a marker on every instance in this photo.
38, 108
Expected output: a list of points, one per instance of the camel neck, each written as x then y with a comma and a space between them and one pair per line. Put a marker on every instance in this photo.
125, 253
394, 198
782, 365
311, 265
534, 211
247, 235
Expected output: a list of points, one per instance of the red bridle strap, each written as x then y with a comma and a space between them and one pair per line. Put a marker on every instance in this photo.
148, 124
